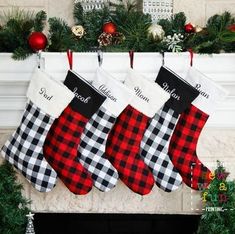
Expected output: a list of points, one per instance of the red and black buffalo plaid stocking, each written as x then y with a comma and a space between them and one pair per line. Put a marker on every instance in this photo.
183, 144
123, 144
62, 141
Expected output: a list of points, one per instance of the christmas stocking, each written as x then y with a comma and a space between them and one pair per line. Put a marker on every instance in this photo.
62, 141
123, 144
155, 143
91, 152
182, 149
46, 100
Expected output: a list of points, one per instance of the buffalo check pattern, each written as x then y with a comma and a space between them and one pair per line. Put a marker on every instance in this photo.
182, 149
24, 148
91, 152
154, 149
60, 150
123, 147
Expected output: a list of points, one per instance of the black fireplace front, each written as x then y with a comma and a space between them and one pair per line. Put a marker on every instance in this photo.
51, 223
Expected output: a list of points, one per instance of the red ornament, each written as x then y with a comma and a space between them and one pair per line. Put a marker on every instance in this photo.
189, 28
231, 28
109, 28
37, 41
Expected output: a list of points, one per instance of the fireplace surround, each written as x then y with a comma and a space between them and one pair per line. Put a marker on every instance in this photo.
216, 142
115, 224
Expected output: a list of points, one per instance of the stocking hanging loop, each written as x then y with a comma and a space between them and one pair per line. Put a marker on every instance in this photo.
131, 56
39, 53
163, 58
190, 50
100, 57
70, 58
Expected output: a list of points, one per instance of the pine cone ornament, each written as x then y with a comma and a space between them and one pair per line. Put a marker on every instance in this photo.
105, 39
117, 38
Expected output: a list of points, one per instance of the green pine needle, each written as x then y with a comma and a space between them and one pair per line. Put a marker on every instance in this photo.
13, 206
60, 36
216, 222
21, 53
40, 21
19, 24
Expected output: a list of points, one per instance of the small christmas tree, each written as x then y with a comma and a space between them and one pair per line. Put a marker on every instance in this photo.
30, 227
13, 206
219, 204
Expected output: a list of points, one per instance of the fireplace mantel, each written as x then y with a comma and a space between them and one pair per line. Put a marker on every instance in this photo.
216, 142
15, 76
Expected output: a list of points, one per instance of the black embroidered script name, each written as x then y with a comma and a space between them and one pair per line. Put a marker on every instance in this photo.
203, 93
171, 92
107, 92
140, 94
43, 92
80, 97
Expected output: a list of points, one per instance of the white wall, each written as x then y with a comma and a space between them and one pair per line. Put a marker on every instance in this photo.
196, 10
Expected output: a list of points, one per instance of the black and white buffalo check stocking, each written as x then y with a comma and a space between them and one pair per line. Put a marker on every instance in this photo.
91, 152
155, 143
46, 100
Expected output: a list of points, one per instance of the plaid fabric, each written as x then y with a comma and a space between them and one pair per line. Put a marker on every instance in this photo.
182, 149
60, 150
91, 152
24, 148
154, 149
123, 147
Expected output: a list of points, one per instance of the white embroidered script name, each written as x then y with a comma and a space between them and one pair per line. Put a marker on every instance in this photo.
204, 94
139, 94
171, 92
80, 97
107, 92
43, 92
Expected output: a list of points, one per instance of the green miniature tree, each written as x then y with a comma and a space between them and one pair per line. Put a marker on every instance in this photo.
219, 204
13, 206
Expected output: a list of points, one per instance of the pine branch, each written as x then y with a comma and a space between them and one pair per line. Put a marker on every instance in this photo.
18, 26
40, 21
92, 21
21, 53
173, 25
60, 36
219, 23
13, 206
78, 14
17, 14
219, 222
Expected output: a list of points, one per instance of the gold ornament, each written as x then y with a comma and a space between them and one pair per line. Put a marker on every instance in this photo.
156, 31
78, 31
198, 29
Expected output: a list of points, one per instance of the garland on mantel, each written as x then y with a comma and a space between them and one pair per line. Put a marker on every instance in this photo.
117, 29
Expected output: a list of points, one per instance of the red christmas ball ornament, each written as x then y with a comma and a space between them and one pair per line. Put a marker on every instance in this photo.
109, 28
37, 41
231, 28
189, 28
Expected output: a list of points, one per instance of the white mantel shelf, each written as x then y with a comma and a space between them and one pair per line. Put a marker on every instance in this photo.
15, 76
